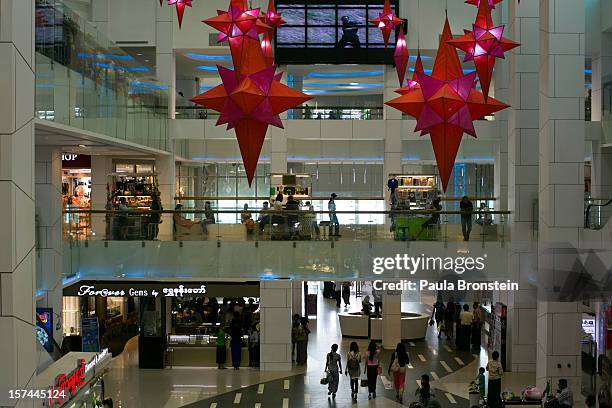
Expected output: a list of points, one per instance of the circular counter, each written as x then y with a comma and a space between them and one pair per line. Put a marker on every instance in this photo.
414, 326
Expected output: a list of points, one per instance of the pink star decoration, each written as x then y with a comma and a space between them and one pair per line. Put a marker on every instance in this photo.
386, 21
180, 8
272, 18
483, 45
400, 57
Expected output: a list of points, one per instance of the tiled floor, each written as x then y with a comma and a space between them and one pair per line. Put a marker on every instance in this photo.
450, 372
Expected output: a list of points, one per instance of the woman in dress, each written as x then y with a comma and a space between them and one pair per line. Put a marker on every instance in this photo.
397, 367
353, 368
372, 367
333, 366
302, 342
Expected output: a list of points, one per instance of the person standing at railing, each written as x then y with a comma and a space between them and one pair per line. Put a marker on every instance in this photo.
333, 217
264, 216
209, 216
467, 209
155, 217
123, 219
246, 218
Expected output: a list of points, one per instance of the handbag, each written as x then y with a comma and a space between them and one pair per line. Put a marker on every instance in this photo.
327, 379
395, 367
364, 382
379, 370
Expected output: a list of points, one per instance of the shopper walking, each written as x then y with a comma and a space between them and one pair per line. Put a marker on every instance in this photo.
236, 342
302, 342
333, 217
353, 368
496, 372
438, 314
423, 391
295, 324
465, 328
564, 395
372, 368
346, 294
378, 301
467, 209
338, 293
397, 368
333, 367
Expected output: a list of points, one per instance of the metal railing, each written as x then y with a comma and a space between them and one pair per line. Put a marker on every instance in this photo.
597, 213
281, 224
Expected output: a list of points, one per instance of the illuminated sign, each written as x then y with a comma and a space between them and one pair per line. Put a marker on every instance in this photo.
588, 325
162, 289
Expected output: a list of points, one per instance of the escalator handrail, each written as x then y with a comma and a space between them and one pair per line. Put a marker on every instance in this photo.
588, 211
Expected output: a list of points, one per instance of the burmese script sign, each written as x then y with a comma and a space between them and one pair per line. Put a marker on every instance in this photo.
162, 289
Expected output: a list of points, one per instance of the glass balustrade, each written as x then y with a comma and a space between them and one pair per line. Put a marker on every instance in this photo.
280, 225
597, 212
190, 111
83, 80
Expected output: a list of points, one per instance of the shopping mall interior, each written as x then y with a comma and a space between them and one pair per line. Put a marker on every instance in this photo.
306, 203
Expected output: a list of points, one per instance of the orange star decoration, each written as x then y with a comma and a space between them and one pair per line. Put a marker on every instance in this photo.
445, 105
386, 21
483, 45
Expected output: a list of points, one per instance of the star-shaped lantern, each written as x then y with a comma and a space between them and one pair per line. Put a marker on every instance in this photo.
445, 105
400, 57
386, 21
272, 18
414, 82
249, 103
251, 96
180, 8
492, 3
483, 45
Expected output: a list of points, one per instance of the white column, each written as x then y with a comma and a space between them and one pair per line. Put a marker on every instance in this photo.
500, 92
561, 191
278, 155
49, 230
522, 173
391, 320
17, 256
601, 171
275, 313
391, 84
297, 297
99, 15
165, 169
101, 167
164, 53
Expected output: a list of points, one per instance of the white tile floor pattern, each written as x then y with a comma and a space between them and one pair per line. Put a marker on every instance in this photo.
131, 387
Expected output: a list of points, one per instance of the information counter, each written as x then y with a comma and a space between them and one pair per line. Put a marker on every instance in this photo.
358, 325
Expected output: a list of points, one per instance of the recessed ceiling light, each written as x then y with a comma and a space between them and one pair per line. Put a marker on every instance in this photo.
82, 145
139, 54
146, 60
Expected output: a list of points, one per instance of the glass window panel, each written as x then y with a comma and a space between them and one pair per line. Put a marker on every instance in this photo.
321, 16
289, 35
324, 35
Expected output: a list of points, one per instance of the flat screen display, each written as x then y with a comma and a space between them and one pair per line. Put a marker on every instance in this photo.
332, 32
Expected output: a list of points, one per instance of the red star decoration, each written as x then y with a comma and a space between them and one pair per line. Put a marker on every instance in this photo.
180, 8
400, 56
272, 18
414, 82
251, 97
386, 21
492, 3
249, 103
445, 105
483, 45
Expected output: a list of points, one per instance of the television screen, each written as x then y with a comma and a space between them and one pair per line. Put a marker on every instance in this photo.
332, 32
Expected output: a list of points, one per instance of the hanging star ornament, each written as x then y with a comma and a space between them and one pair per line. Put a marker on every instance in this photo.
412, 83
445, 105
386, 21
492, 3
251, 96
483, 45
248, 104
180, 8
400, 56
272, 18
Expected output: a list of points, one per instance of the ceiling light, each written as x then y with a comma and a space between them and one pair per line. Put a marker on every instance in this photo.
82, 146
139, 54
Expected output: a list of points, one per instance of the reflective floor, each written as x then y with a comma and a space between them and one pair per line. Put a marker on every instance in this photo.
450, 372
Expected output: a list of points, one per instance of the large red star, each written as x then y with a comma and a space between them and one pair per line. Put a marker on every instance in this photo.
491, 3
400, 57
386, 21
180, 8
445, 105
483, 45
249, 103
414, 82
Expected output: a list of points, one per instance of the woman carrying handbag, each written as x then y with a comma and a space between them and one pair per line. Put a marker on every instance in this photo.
397, 367
333, 367
353, 368
372, 369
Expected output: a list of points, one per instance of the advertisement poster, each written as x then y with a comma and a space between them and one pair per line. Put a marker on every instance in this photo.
44, 327
90, 333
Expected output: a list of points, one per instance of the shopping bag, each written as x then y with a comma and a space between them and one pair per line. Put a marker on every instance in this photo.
364, 382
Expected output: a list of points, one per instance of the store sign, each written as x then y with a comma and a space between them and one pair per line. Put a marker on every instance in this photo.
76, 161
588, 325
162, 289
66, 385
44, 327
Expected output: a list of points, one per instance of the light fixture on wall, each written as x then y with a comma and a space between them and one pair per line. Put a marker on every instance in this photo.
317, 173
340, 173
354, 174
365, 172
